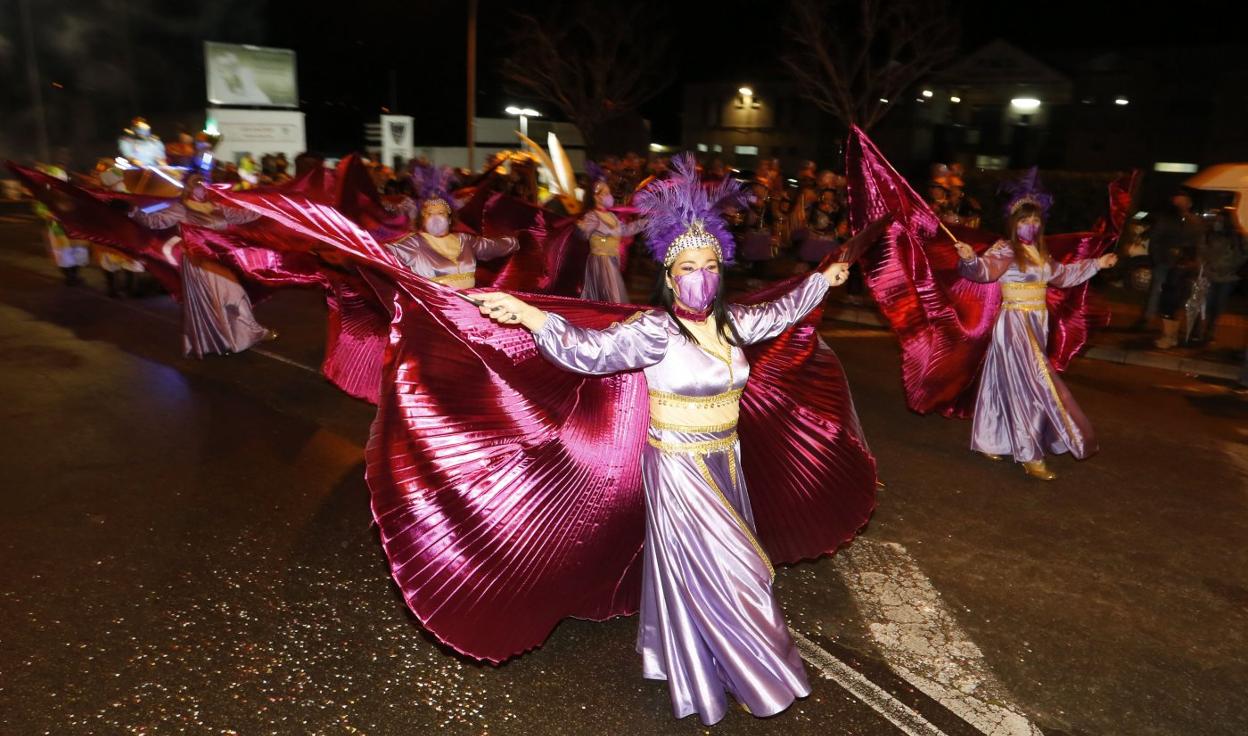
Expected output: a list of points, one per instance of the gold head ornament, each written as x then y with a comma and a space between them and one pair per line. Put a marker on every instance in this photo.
695, 237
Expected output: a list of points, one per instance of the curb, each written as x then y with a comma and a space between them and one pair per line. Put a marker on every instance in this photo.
1149, 359
1105, 353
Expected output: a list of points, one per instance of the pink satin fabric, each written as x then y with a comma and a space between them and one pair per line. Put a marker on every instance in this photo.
944, 322
508, 492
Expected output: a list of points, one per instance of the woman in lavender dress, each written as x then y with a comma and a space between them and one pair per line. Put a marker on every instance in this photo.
709, 624
216, 311
1023, 409
443, 256
603, 280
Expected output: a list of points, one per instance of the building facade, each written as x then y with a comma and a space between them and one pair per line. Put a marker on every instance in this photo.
745, 121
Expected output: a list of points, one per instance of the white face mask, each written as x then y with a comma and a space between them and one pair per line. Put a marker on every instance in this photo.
437, 225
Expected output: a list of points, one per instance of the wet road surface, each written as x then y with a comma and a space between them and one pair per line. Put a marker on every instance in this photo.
186, 548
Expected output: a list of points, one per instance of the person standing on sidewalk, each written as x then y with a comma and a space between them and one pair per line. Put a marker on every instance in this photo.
1223, 253
1175, 237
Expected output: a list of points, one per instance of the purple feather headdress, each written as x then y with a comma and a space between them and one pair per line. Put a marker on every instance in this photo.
431, 183
681, 212
594, 172
1027, 190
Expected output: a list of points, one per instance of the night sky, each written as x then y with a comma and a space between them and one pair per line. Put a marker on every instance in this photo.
148, 59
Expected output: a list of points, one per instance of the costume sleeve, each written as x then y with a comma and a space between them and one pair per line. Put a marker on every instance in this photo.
990, 266
588, 224
1072, 274
237, 215
632, 227
758, 322
161, 219
636, 343
486, 249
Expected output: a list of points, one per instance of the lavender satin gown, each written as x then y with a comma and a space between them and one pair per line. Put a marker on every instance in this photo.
709, 622
1023, 408
604, 282
460, 272
217, 317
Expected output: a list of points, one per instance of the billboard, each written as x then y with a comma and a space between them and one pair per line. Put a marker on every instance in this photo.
250, 75
396, 139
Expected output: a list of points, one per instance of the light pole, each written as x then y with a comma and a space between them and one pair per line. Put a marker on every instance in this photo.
524, 113
472, 84
32, 77
747, 102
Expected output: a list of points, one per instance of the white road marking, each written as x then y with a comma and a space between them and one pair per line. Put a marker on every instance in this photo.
922, 641
283, 359
855, 683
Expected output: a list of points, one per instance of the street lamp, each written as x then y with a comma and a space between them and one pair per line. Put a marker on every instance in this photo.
524, 114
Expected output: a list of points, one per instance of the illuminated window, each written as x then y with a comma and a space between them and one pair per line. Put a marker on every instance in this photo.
745, 150
702, 147
1168, 167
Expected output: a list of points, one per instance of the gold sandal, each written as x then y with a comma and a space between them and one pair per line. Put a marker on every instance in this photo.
1038, 470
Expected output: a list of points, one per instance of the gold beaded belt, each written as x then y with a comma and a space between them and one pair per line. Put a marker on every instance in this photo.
600, 245
457, 280
692, 428
695, 448
695, 414
1024, 297
663, 398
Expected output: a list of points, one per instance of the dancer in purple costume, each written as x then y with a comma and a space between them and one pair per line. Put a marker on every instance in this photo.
710, 624
1022, 407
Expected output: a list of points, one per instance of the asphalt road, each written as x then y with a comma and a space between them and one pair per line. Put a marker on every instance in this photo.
186, 548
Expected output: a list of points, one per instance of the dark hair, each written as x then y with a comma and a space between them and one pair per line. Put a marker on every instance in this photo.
664, 297
588, 200
1025, 210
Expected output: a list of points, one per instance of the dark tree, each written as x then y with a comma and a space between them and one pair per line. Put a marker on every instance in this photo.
595, 62
856, 58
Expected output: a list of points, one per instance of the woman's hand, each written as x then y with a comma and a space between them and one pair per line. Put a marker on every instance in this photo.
965, 252
505, 309
1107, 261
837, 274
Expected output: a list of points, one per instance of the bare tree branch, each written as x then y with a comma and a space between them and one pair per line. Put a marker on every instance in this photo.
855, 58
593, 61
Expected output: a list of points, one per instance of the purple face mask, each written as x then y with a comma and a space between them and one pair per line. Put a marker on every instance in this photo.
437, 225
1028, 231
697, 289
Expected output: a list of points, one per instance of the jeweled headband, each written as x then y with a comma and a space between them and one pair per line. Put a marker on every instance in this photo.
695, 237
